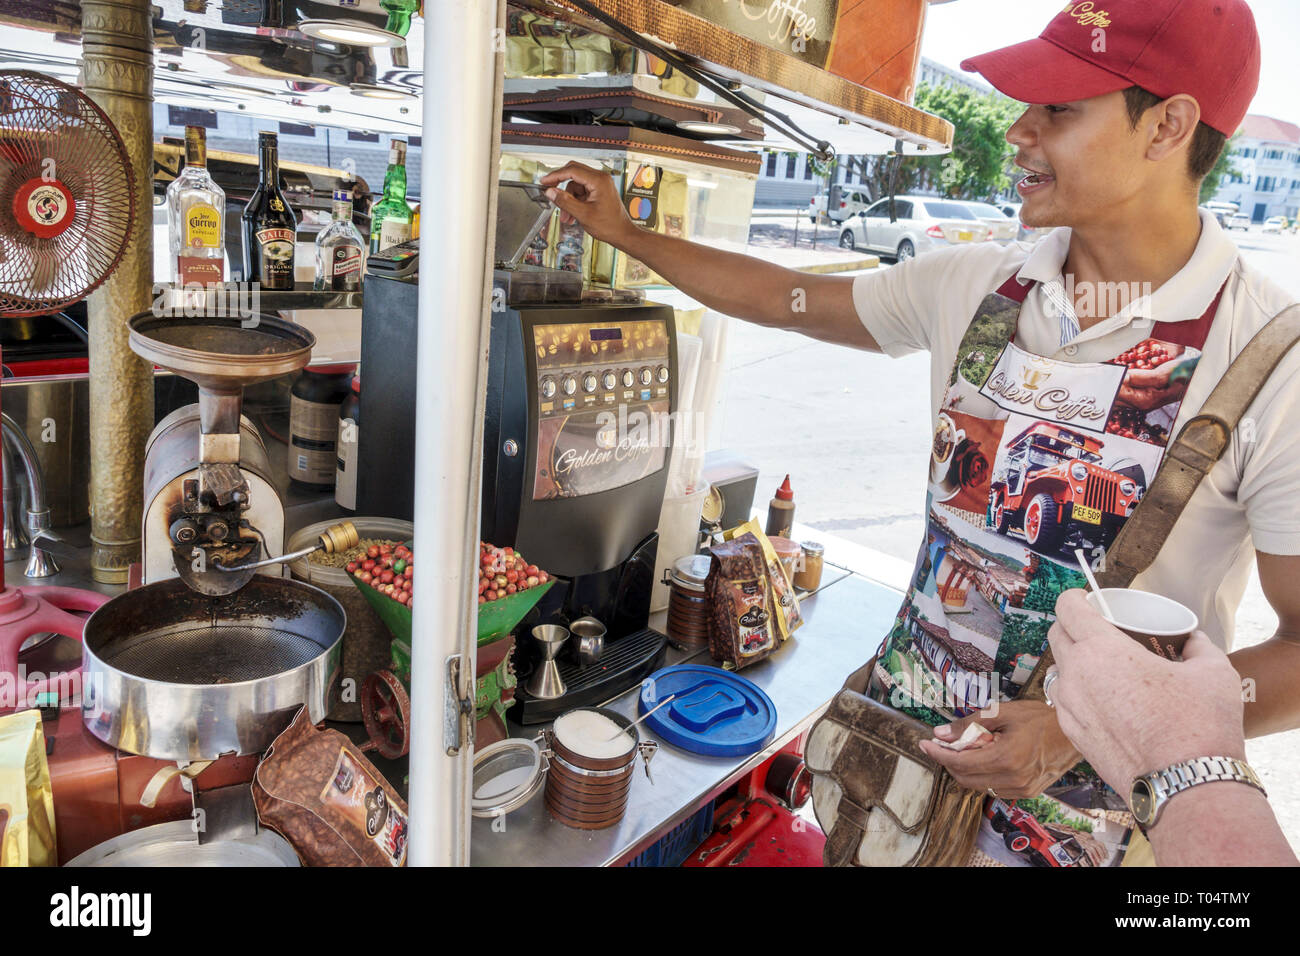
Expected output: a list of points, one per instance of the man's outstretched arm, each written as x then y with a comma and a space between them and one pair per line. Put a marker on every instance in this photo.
727, 282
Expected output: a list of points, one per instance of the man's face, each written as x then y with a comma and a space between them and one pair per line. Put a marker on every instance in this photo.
1084, 159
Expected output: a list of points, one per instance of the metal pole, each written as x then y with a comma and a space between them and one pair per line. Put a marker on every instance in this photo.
462, 109
117, 71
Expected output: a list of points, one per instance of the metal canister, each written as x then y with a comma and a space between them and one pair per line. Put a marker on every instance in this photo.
590, 793
688, 608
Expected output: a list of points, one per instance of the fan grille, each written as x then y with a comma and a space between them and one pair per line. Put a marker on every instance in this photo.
52, 134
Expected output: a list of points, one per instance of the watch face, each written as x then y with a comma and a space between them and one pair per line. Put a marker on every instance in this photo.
1141, 801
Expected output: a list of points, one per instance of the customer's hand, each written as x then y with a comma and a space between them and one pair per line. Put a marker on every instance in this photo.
1028, 752
1130, 711
592, 200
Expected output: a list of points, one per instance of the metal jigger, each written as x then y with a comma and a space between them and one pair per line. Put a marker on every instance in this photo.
545, 684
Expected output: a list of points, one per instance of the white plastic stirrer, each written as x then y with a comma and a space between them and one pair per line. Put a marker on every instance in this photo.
1092, 582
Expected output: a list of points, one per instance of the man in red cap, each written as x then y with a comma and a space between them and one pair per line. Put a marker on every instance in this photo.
1073, 361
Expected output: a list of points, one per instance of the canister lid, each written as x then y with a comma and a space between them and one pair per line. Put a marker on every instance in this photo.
812, 548
715, 712
691, 571
506, 775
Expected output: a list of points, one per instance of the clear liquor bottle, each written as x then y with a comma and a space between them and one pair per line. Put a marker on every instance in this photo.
340, 249
390, 218
196, 215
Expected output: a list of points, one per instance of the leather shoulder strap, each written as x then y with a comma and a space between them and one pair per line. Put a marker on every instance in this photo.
1199, 446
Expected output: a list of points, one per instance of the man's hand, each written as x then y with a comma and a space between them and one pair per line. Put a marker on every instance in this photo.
1028, 752
1131, 712
592, 200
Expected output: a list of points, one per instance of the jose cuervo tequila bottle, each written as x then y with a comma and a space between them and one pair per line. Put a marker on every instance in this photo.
196, 212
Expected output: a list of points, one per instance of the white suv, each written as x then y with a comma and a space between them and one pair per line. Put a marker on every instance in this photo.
851, 202
923, 223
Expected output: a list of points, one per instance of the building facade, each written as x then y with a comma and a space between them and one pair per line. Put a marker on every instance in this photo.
1267, 158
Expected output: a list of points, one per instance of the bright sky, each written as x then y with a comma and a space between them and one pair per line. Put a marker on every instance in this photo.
963, 28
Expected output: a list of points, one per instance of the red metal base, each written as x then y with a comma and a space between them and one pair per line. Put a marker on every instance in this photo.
26, 611
759, 833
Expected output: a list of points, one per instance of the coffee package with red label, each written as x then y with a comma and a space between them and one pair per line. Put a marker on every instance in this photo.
319, 792
742, 626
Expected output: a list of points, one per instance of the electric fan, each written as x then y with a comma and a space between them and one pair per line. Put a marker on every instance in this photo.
67, 203
67, 183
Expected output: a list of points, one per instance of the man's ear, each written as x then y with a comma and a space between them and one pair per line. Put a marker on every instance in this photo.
1172, 124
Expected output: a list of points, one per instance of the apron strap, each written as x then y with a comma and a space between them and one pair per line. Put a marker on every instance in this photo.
1013, 290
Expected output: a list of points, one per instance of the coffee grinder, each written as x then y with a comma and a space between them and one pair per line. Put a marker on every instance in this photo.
209, 496
576, 443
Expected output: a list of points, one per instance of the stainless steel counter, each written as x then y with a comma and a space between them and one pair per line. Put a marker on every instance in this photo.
844, 624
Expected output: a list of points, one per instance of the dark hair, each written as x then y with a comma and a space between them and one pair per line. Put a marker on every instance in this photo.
1207, 142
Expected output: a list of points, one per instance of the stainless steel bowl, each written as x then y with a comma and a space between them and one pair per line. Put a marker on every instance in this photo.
178, 675
589, 634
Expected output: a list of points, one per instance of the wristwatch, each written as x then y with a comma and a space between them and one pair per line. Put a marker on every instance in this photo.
1152, 791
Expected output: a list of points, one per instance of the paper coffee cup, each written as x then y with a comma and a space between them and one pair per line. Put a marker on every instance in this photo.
1159, 624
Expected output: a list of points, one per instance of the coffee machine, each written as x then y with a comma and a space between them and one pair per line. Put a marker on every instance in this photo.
576, 444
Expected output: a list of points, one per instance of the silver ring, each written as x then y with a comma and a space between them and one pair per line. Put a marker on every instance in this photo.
1048, 681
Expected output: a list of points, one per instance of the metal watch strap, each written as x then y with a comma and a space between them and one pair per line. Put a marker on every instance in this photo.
1198, 447
1187, 774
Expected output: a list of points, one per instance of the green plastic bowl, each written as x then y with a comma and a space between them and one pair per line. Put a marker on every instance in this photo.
496, 618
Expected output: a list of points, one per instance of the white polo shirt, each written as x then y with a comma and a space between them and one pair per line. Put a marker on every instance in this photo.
1249, 501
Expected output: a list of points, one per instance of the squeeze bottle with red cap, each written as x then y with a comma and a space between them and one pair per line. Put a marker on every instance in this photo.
780, 511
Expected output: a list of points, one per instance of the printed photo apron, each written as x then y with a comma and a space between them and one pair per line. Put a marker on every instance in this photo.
1032, 458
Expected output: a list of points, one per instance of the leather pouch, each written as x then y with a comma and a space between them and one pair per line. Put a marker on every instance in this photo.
878, 798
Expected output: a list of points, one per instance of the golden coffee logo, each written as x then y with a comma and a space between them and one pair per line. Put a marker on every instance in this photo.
1087, 15
202, 227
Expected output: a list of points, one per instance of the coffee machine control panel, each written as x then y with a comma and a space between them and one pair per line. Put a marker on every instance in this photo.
584, 366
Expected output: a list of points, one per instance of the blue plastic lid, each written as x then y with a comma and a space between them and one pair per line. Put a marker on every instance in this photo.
715, 712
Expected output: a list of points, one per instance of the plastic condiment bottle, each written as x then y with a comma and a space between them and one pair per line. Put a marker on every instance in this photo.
780, 511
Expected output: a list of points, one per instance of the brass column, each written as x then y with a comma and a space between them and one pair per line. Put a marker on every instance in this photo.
117, 73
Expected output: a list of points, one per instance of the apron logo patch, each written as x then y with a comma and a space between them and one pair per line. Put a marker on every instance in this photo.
1079, 394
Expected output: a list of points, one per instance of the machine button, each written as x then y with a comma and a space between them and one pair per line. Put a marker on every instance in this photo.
628, 378
645, 376
662, 374
548, 387
609, 380
589, 382
570, 385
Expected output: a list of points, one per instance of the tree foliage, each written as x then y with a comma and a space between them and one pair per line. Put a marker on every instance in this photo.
1224, 168
977, 166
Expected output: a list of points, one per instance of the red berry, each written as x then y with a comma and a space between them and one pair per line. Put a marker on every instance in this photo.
511, 589
372, 551
352, 566
491, 594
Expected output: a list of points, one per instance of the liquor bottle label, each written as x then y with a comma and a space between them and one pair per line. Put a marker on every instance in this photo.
192, 270
393, 232
202, 227
277, 248
347, 260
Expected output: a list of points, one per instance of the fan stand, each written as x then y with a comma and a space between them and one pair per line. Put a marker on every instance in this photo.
34, 609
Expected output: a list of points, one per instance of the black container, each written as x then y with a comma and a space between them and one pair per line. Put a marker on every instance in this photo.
314, 423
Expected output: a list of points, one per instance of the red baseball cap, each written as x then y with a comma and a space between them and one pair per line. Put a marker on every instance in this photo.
1207, 49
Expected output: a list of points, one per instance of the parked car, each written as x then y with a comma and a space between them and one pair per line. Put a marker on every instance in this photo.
851, 202
1275, 224
1238, 220
1222, 211
1026, 233
1005, 228
922, 224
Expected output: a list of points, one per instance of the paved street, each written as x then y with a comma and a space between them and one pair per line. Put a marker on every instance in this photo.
853, 431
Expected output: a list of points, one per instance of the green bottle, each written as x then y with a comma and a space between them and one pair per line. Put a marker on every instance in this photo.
399, 14
390, 218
